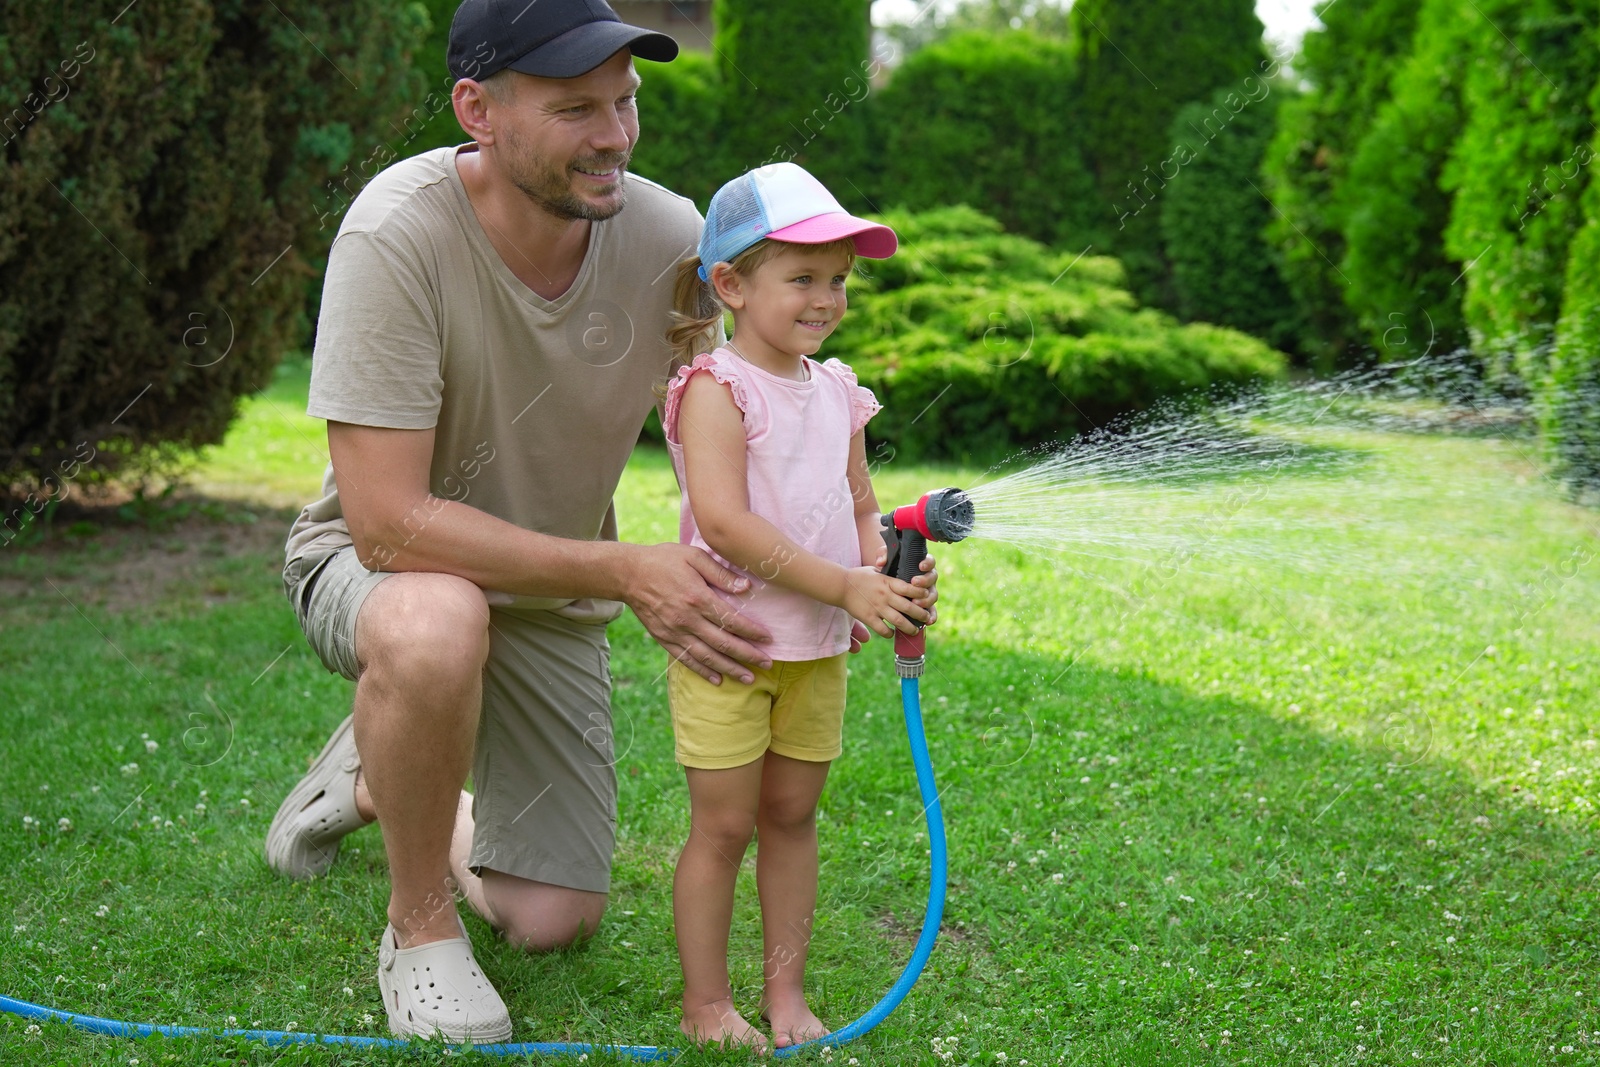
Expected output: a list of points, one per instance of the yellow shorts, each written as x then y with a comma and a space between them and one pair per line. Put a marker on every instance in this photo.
793, 709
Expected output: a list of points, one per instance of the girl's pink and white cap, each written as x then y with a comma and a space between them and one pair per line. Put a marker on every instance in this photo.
783, 202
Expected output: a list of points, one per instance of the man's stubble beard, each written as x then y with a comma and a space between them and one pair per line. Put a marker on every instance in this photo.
550, 188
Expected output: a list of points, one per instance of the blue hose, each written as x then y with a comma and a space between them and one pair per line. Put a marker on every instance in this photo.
912, 704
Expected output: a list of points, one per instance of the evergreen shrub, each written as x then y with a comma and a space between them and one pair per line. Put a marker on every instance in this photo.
794, 80
1213, 217
1569, 398
1518, 171
680, 116
992, 120
1137, 65
979, 341
166, 167
1348, 63
1399, 279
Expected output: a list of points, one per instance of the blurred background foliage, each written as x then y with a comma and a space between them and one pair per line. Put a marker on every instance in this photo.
1151, 195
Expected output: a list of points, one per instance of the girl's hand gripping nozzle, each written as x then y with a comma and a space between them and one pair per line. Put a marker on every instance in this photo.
942, 515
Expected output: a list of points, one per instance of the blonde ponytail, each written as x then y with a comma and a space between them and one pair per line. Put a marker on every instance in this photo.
696, 314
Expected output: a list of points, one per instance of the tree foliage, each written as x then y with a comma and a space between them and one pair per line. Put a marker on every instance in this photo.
1138, 64
1041, 18
794, 77
1400, 280
1213, 218
168, 167
991, 120
680, 112
983, 341
1570, 395
1518, 172
1348, 64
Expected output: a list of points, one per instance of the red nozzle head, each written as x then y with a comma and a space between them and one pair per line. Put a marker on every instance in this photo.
942, 515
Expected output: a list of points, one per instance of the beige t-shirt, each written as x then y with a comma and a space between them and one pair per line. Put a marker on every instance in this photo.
536, 403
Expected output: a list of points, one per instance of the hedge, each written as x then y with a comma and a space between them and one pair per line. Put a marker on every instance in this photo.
1399, 278
1517, 174
1213, 216
978, 341
166, 168
992, 120
1349, 63
1138, 64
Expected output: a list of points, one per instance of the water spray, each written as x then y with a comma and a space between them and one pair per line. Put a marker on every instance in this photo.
944, 515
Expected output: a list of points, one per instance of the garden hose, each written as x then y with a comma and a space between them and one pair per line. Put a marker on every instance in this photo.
911, 702
943, 515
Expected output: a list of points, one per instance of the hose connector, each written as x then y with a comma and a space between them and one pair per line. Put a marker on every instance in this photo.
908, 653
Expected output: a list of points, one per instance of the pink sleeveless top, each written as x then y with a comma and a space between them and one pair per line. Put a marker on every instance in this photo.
797, 448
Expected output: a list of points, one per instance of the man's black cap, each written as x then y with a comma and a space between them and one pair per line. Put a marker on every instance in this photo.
550, 38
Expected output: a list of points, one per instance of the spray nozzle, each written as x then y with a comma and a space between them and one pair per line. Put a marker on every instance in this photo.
942, 515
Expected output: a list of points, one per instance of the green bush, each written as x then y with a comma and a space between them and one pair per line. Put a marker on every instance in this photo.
680, 112
1569, 399
1515, 172
978, 341
1138, 64
794, 77
1399, 278
1348, 63
991, 120
193, 148
431, 120
1213, 218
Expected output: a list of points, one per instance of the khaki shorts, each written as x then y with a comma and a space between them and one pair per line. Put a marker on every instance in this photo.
544, 783
793, 709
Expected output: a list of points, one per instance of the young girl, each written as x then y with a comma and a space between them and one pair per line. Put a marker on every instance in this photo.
768, 447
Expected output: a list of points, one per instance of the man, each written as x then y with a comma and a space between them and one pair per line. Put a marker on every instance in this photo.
490, 336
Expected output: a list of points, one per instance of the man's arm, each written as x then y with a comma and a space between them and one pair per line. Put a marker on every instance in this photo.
397, 524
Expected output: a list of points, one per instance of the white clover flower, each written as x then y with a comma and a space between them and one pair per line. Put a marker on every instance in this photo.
33, 1028
64, 825
150, 746
130, 769
102, 911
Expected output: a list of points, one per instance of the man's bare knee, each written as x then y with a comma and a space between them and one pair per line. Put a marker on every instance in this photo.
539, 917
431, 625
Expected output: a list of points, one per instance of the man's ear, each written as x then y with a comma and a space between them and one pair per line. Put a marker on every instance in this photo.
471, 101
728, 285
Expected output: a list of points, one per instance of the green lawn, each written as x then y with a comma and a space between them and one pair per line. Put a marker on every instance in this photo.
1325, 799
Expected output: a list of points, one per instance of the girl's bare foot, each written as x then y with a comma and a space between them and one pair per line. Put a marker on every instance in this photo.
792, 1021
717, 1023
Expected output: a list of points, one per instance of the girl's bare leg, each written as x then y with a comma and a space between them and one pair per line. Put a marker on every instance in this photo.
786, 877
722, 806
